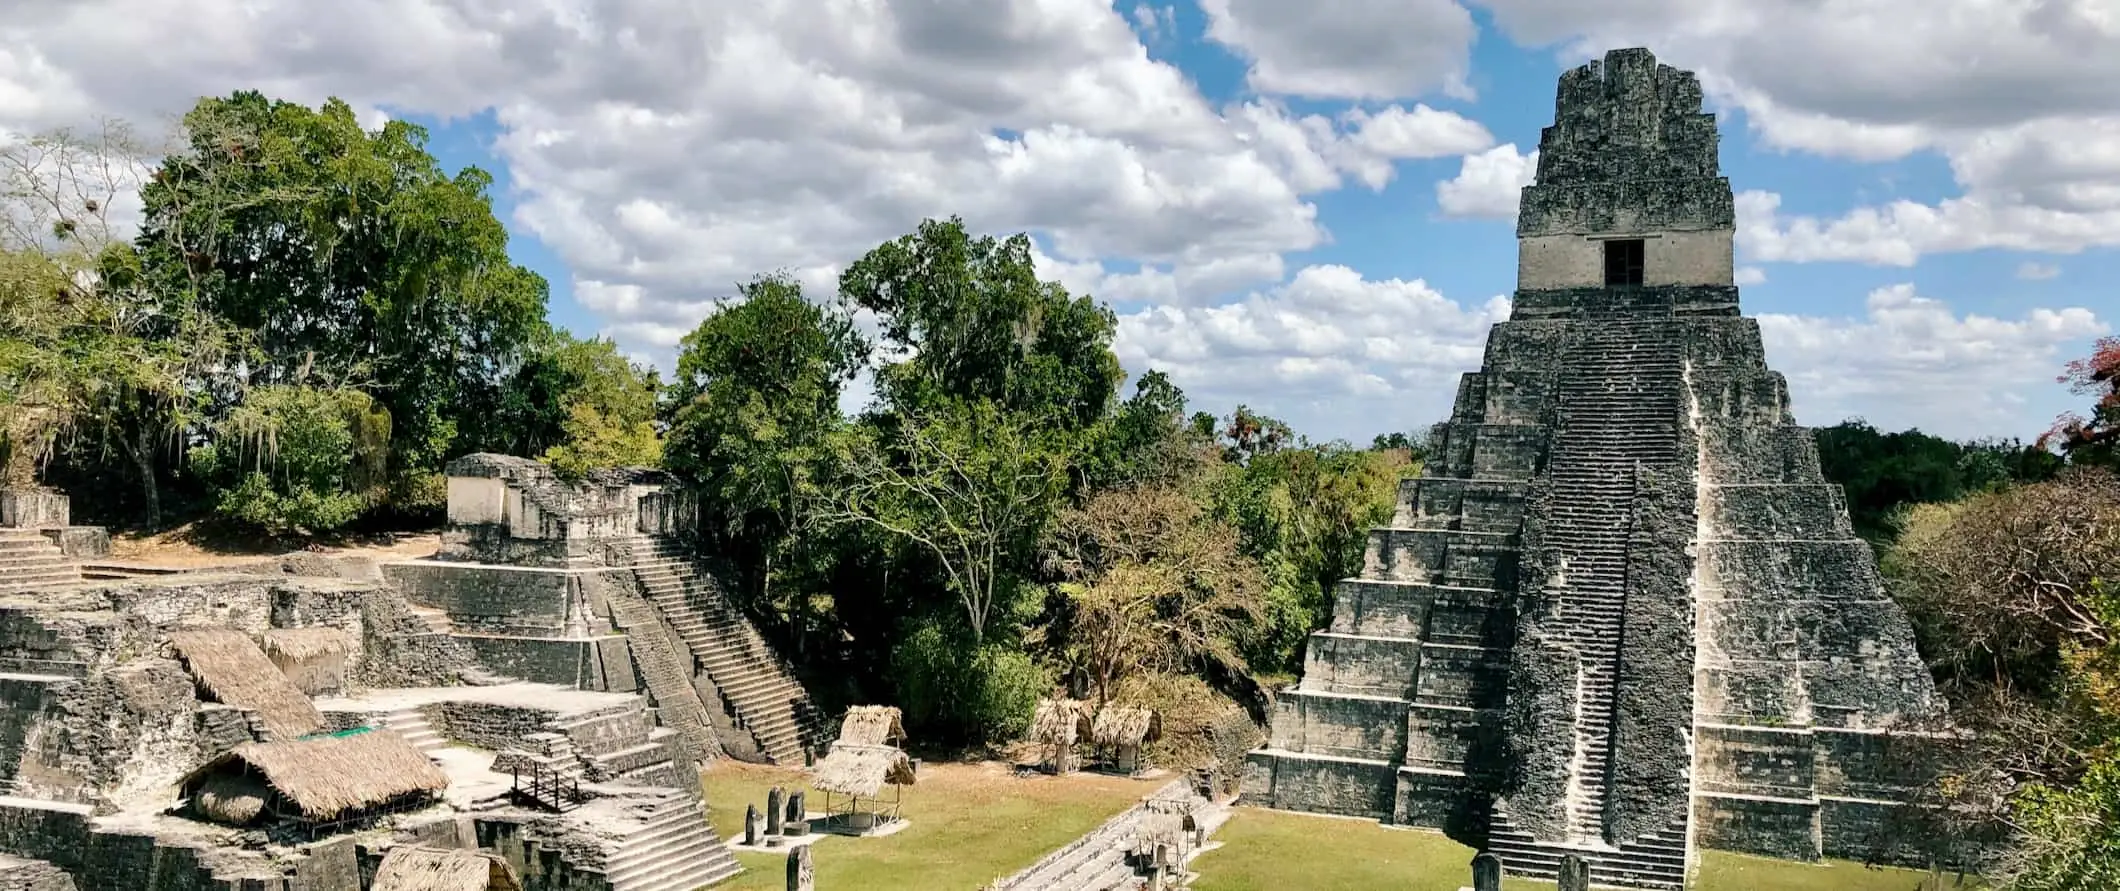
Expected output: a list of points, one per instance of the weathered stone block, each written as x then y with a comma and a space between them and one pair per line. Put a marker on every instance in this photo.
1370, 666
1298, 782
81, 542
1773, 762
34, 509
1340, 725
1431, 799
1769, 827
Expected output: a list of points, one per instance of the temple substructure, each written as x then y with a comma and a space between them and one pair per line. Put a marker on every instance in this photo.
1623, 615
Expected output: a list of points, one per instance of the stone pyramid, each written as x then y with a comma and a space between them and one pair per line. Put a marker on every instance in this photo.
1623, 615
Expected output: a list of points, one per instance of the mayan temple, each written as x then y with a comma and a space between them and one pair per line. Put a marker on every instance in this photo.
1623, 615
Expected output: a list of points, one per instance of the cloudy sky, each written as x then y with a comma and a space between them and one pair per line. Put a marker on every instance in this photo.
1301, 206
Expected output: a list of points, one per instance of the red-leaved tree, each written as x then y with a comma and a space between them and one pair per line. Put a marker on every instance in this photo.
2096, 376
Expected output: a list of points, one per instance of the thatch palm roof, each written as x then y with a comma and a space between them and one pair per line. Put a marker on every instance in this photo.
324, 777
871, 725
1121, 725
232, 798
303, 644
409, 868
229, 667
862, 771
1060, 721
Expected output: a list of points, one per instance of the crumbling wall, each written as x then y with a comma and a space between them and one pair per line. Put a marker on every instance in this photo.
119, 737
1653, 720
399, 649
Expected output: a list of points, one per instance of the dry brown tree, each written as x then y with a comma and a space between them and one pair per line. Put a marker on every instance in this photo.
1154, 585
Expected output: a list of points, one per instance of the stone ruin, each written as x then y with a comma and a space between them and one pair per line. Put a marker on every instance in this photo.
1623, 615
565, 664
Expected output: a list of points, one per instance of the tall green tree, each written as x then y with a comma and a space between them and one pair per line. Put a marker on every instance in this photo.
980, 325
348, 257
1146, 441
607, 410
970, 486
753, 409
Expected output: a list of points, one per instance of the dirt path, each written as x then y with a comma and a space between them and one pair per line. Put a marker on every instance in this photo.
184, 547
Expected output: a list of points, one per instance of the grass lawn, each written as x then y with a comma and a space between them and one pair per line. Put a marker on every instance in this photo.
971, 824
1273, 850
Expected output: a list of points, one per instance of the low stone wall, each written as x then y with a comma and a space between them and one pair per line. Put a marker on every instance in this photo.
34, 509
1751, 824
81, 542
49, 831
490, 599
34, 875
1340, 726
543, 864
487, 725
598, 663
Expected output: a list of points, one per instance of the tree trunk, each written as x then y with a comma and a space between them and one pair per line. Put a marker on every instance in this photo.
141, 449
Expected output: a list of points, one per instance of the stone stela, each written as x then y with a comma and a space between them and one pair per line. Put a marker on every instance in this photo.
1623, 614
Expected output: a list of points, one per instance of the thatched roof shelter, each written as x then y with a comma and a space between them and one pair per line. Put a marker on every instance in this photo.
862, 771
304, 644
1121, 725
871, 725
314, 780
411, 868
1060, 721
231, 668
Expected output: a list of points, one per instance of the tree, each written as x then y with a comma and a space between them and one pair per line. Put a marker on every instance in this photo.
1155, 585
90, 349
1305, 514
2010, 592
969, 485
609, 409
979, 325
754, 407
298, 459
347, 257
2092, 437
1249, 435
1146, 441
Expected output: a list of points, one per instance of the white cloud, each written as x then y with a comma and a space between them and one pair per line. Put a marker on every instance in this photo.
1488, 184
666, 150
2033, 272
2012, 92
1156, 22
1750, 275
1324, 347
1911, 361
1351, 49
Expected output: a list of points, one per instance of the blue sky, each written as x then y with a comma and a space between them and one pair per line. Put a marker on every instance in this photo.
1925, 241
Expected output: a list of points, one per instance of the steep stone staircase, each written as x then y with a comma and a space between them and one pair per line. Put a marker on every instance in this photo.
1654, 861
1098, 860
1620, 409
666, 672
29, 561
414, 727
674, 849
757, 688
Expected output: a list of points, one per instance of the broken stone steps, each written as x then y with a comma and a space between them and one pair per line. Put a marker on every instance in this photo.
1607, 869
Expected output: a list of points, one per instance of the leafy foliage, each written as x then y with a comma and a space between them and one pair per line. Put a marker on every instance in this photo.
2092, 437
981, 326
1154, 586
969, 486
347, 257
1884, 471
294, 458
